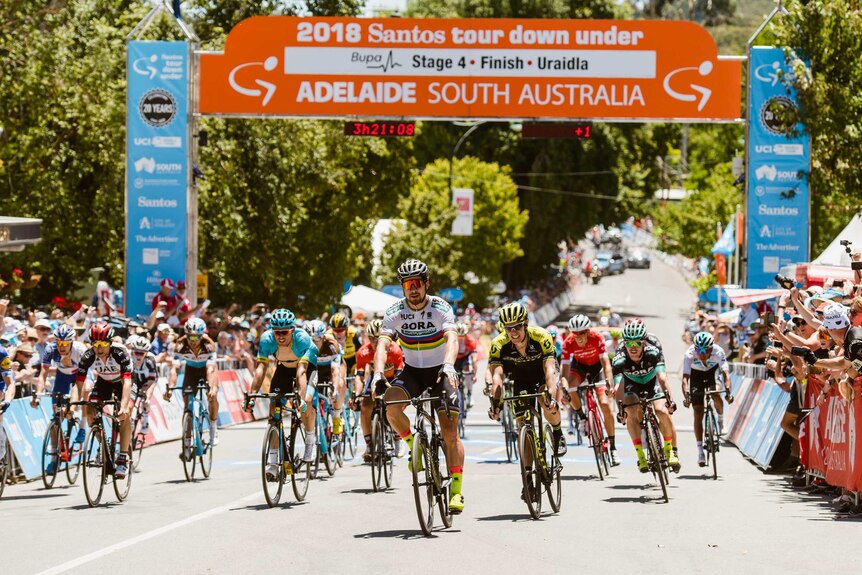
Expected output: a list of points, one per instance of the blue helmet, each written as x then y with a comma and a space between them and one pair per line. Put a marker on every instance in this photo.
703, 342
282, 319
64, 333
195, 326
552, 329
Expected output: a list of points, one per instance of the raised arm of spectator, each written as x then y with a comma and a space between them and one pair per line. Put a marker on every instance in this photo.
806, 314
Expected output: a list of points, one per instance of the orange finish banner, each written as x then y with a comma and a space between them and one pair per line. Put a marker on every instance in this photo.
472, 68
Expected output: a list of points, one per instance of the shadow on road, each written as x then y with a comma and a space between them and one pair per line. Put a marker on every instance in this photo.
368, 491
641, 499
513, 517
700, 477
399, 534
579, 477
641, 487
83, 506
266, 507
34, 496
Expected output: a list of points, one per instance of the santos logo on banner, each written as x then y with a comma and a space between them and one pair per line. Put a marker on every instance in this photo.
462, 199
156, 169
778, 169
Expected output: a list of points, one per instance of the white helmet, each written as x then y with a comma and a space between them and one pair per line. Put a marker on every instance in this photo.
138, 343
580, 322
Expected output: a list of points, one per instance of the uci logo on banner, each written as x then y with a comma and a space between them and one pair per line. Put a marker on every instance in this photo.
475, 68
778, 170
156, 169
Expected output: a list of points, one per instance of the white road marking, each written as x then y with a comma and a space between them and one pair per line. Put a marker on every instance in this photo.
84, 559
500, 449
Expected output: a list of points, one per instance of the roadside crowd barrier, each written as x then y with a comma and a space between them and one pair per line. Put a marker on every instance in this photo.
551, 311
829, 439
25, 426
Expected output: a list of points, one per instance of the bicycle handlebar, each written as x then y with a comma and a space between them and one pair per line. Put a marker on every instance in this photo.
291, 395
99, 403
413, 401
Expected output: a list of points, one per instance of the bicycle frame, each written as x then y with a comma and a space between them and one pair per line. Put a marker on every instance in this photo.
530, 414
198, 415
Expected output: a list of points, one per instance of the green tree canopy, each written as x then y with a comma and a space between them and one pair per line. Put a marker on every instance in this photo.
498, 225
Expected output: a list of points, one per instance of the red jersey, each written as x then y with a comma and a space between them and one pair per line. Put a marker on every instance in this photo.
590, 354
394, 359
466, 346
170, 300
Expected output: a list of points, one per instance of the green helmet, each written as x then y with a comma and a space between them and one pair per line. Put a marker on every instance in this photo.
634, 329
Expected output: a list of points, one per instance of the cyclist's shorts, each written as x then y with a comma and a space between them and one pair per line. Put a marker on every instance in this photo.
462, 362
140, 389
415, 380
324, 374
106, 390
350, 362
700, 381
63, 383
283, 380
593, 373
635, 390
191, 378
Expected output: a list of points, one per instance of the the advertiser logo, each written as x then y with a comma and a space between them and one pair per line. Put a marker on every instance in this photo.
776, 211
144, 202
771, 173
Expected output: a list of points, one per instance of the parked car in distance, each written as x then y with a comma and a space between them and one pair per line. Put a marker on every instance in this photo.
638, 258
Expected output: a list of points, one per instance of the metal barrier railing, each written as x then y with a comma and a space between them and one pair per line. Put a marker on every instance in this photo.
748, 370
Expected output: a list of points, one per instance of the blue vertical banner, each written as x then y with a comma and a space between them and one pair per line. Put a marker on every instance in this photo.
157, 126
779, 159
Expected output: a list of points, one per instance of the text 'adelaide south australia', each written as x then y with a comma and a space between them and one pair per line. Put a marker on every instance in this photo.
470, 93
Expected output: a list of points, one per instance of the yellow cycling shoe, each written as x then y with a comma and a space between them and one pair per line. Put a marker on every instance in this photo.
673, 462
456, 504
337, 426
643, 465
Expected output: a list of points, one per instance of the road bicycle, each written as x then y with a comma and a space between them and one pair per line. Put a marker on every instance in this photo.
100, 454
288, 454
382, 448
351, 425
540, 466
430, 485
656, 458
462, 401
508, 421
197, 433
139, 438
61, 447
6, 461
711, 431
327, 442
595, 428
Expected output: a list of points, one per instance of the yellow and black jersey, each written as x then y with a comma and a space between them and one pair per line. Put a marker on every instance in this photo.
529, 367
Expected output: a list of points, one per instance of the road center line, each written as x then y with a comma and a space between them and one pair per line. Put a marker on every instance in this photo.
67, 566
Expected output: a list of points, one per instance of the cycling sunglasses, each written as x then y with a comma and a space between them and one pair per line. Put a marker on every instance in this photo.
582, 333
703, 350
414, 283
101, 343
515, 327
282, 332
634, 343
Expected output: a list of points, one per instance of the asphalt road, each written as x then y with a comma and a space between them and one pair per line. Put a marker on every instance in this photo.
746, 522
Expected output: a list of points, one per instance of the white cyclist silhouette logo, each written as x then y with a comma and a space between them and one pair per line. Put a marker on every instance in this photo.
268, 65
146, 69
704, 70
768, 73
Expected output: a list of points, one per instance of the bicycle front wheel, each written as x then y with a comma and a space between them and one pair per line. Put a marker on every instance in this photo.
378, 454
138, 440
326, 450
74, 449
530, 475
423, 483
595, 441
655, 457
388, 455
188, 446
50, 454
440, 469
553, 467
206, 457
95, 462
273, 485
5, 465
711, 441
301, 470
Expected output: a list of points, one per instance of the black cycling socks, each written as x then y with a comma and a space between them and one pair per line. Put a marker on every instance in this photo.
612, 440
